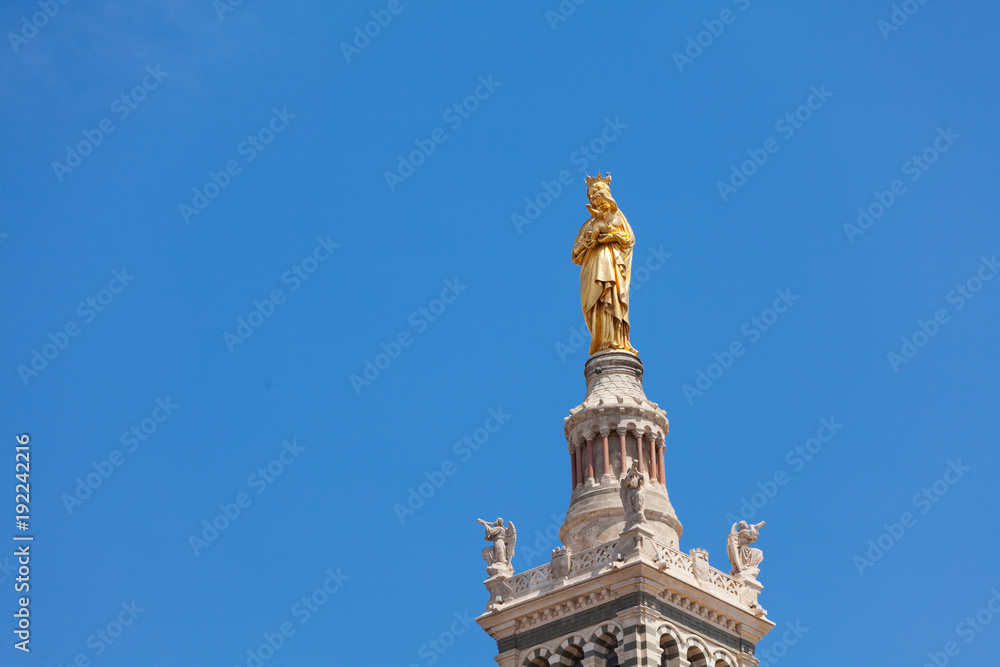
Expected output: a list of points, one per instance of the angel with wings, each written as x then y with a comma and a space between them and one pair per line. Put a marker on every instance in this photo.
744, 558
498, 556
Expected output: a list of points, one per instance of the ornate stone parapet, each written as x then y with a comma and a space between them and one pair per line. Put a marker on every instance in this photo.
568, 568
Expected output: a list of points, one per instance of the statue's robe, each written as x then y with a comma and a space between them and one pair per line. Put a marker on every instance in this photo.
751, 557
604, 281
498, 552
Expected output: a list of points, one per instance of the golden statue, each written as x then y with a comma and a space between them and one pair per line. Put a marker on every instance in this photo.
603, 247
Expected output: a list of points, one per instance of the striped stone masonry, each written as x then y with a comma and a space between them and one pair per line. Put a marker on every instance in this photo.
617, 626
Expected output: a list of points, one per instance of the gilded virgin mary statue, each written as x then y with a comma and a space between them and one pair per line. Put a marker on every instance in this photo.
603, 248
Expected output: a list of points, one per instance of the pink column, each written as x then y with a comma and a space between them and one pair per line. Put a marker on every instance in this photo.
662, 476
652, 459
590, 459
621, 451
638, 451
607, 457
579, 464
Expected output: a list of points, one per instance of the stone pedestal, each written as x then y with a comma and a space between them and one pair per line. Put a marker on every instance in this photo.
751, 589
636, 541
499, 590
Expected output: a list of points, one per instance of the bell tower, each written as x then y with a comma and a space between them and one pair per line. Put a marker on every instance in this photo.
620, 592
614, 427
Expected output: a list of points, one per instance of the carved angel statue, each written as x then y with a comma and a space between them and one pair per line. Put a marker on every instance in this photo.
744, 558
633, 495
498, 556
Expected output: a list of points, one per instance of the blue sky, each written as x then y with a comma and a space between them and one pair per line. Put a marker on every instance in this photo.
216, 183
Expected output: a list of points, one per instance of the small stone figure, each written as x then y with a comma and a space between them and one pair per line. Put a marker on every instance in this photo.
498, 556
633, 495
744, 559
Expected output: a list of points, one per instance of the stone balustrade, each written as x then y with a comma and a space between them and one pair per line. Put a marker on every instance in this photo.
679, 564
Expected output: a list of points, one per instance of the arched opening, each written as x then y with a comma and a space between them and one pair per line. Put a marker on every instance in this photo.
540, 657
671, 651
721, 663
571, 655
607, 644
696, 658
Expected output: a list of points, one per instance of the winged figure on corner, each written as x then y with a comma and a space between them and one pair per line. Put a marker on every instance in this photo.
499, 555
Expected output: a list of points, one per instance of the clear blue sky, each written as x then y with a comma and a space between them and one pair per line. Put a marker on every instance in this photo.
218, 162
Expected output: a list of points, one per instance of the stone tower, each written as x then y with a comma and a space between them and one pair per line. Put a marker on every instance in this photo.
620, 593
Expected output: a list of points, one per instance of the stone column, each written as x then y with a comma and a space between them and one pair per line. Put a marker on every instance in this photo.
592, 657
590, 459
621, 452
638, 450
652, 459
572, 466
659, 468
607, 456
579, 464
640, 647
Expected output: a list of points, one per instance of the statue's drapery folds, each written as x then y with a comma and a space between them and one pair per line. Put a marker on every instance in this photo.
603, 248
633, 495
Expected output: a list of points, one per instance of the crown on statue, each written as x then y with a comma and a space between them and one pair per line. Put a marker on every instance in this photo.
593, 182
